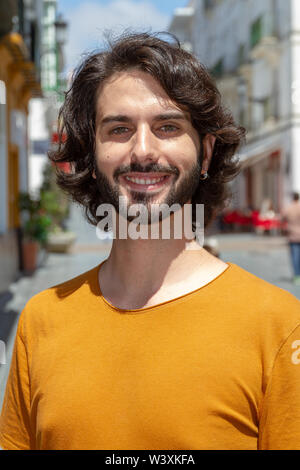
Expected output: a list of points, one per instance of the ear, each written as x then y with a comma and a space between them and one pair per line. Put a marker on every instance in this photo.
208, 148
94, 174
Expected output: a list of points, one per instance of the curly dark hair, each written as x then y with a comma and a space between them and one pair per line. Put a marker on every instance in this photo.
185, 80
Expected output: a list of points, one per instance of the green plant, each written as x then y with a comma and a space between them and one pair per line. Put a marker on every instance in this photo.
53, 200
54, 208
35, 221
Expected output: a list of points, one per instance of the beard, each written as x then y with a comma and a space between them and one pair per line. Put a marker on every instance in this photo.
180, 192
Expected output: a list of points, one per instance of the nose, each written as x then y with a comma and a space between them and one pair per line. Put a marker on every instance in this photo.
143, 145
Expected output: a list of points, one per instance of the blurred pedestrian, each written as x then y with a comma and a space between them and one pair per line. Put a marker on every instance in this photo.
291, 214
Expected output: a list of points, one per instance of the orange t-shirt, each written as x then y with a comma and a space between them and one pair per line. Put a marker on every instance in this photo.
218, 368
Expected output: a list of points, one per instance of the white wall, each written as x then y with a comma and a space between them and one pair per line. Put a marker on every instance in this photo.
295, 161
220, 33
37, 125
18, 126
295, 93
38, 132
3, 159
284, 78
36, 168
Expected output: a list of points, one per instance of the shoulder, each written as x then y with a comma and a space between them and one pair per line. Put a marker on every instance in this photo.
264, 292
66, 296
262, 316
270, 305
66, 289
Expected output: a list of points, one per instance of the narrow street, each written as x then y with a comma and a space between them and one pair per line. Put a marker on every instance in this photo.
264, 256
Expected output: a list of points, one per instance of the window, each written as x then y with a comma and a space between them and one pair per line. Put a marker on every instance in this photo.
208, 4
267, 104
241, 54
256, 32
218, 70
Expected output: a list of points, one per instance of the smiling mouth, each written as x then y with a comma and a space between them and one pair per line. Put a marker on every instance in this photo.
146, 182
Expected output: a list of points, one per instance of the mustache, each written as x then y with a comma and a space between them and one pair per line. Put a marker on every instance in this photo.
150, 168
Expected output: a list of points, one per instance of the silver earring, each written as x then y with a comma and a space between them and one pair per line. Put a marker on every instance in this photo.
204, 176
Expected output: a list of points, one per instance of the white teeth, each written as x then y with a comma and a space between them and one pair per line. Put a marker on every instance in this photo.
142, 181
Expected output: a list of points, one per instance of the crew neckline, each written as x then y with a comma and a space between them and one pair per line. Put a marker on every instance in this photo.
156, 306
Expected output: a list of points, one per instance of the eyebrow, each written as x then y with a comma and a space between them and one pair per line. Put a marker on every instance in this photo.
171, 115
118, 118
159, 117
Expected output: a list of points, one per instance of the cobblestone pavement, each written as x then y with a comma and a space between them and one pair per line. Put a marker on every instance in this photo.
266, 257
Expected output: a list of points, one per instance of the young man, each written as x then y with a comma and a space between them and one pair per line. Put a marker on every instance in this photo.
161, 346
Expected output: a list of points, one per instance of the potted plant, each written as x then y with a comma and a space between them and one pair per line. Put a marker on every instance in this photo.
56, 205
35, 226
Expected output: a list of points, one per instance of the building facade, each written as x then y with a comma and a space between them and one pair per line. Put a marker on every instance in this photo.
19, 81
253, 49
44, 111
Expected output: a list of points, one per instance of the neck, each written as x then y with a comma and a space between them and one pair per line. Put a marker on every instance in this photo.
152, 260
140, 268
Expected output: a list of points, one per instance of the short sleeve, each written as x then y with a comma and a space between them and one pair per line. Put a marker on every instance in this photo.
280, 415
15, 415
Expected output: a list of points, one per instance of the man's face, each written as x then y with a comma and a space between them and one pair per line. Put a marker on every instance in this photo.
146, 147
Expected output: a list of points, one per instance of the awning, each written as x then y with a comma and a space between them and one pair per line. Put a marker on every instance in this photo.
249, 157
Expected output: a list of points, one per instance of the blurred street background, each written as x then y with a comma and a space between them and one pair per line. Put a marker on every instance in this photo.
252, 49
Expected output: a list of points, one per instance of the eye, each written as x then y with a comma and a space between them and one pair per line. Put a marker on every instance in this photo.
119, 130
169, 128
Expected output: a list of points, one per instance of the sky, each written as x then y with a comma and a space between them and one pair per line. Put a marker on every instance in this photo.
89, 19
